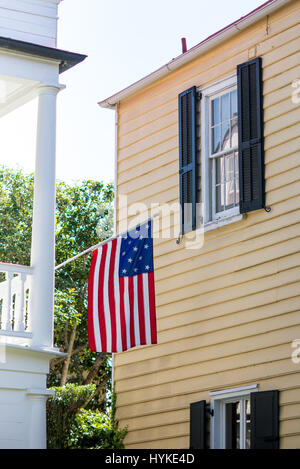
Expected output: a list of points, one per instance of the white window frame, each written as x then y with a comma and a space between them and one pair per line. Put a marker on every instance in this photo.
231, 215
218, 401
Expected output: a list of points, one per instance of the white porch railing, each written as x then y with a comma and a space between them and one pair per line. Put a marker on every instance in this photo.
15, 288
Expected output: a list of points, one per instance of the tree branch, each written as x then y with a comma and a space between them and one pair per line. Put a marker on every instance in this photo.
64, 374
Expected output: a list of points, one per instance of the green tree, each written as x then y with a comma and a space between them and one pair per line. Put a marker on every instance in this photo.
83, 218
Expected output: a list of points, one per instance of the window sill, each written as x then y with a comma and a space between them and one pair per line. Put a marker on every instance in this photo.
214, 225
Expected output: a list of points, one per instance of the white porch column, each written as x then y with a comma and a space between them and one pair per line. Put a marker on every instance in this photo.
37, 434
43, 225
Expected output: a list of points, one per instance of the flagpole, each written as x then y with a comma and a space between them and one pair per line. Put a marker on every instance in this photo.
92, 248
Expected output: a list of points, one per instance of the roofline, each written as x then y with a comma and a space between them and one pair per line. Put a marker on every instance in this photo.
67, 59
224, 34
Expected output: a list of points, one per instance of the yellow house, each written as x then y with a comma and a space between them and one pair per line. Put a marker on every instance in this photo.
217, 130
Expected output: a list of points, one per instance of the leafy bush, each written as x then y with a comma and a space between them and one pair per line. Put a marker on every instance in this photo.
71, 426
95, 430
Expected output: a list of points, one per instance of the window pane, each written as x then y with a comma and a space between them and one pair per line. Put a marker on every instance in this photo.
216, 139
225, 109
230, 181
225, 137
237, 183
216, 111
234, 132
220, 186
238, 424
234, 110
248, 426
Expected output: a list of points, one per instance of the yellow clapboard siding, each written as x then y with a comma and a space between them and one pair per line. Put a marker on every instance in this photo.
290, 397
279, 109
162, 443
218, 364
166, 172
167, 257
290, 411
283, 179
277, 309
241, 351
227, 314
167, 432
252, 286
148, 129
285, 78
183, 400
277, 96
244, 303
290, 427
275, 168
239, 259
290, 442
208, 381
193, 343
149, 165
283, 64
281, 122
229, 318
149, 141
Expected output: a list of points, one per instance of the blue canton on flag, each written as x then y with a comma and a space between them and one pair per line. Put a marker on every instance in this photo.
137, 252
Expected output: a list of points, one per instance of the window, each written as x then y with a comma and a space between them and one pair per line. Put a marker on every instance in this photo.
232, 148
239, 418
232, 418
219, 149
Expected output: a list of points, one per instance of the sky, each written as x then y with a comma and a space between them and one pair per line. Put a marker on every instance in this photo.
124, 41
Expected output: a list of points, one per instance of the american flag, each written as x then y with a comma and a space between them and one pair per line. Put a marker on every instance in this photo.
121, 295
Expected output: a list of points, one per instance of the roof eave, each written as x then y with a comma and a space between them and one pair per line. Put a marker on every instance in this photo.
204, 46
66, 59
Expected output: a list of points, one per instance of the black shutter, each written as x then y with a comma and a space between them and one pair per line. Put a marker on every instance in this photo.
265, 420
230, 425
198, 425
188, 158
251, 136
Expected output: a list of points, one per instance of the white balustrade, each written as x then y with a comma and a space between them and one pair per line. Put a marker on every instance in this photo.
15, 292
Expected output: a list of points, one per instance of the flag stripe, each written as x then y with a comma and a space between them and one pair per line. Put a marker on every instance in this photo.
127, 311
131, 309
152, 307
111, 312
141, 311
147, 309
117, 296
100, 310
122, 316
136, 312
106, 298
91, 334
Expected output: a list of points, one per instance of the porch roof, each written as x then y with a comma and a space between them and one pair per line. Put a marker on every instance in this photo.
66, 59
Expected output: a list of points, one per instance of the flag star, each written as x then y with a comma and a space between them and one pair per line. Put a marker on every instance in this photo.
141, 237
124, 271
136, 269
140, 258
135, 249
123, 253
146, 246
130, 260
147, 267
130, 242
